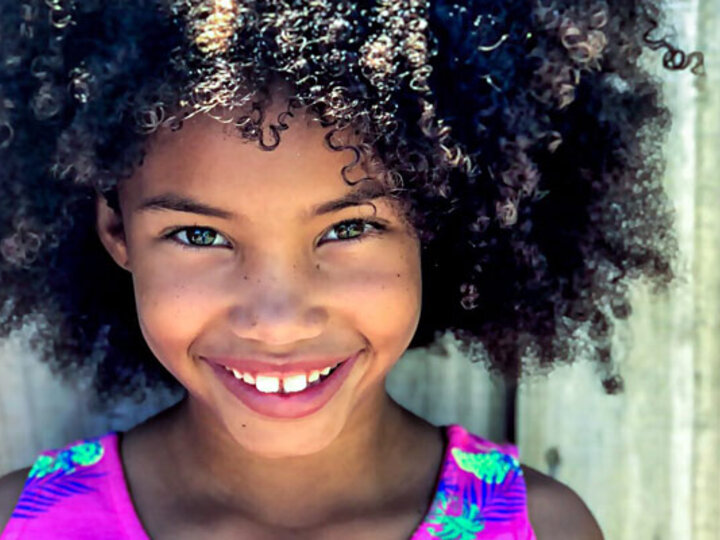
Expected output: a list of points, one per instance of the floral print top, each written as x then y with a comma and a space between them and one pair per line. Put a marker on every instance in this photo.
79, 492
480, 493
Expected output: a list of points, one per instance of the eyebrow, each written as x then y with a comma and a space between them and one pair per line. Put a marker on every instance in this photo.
182, 203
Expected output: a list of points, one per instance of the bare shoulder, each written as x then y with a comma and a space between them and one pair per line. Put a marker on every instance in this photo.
556, 512
11, 486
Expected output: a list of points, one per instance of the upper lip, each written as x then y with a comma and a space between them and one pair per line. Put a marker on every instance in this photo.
278, 366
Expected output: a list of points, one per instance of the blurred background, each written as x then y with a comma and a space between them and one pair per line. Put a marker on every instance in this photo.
646, 462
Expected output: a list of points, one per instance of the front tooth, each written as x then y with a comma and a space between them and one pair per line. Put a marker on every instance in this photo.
248, 378
237, 374
314, 376
267, 384
295, 383
325, 371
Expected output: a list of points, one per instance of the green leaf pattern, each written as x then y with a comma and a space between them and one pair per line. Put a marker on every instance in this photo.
81, 454
491, 467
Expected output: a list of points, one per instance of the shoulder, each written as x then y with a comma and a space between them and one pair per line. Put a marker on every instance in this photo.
556, 511
11, 486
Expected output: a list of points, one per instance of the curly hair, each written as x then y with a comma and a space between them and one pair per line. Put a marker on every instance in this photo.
523, 139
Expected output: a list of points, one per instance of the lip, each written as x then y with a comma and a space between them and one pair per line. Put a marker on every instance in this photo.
287, 406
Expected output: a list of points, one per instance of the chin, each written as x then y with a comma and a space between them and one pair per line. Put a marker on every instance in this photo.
285, 439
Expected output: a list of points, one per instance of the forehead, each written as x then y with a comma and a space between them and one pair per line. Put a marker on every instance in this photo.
205, 143
207, 151
210, 162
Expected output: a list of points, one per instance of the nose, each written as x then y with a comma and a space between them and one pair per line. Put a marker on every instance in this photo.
277, 305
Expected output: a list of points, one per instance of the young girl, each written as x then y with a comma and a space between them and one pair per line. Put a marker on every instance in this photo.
253, 200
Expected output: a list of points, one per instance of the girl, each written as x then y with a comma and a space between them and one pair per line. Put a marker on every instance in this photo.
252, 200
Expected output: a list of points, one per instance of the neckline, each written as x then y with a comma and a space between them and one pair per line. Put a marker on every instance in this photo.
131, 519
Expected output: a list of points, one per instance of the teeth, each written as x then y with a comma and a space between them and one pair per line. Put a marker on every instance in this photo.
267, 384
295, 383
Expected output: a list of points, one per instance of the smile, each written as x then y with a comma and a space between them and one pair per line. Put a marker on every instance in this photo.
302, 394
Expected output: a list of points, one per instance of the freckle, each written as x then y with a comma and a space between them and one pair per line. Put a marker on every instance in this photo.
243, 425
245, 278
398, 275
318, 267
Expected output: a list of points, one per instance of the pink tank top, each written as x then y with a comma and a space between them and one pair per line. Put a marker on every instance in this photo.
79, 492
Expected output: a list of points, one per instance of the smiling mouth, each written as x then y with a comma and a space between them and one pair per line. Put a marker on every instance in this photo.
298, 402
269, 384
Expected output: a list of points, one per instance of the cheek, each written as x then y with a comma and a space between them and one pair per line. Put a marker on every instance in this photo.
382, 298
171, 308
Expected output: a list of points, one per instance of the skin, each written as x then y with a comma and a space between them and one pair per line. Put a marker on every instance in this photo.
278, 282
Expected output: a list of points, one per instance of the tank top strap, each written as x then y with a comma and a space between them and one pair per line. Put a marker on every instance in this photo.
481, 492
77, 491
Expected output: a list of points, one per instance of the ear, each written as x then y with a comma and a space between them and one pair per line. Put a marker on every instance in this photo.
110, 229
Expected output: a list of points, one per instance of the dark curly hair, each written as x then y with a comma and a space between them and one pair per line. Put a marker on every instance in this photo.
528, 160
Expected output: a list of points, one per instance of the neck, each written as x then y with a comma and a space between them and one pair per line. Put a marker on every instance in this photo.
361, 467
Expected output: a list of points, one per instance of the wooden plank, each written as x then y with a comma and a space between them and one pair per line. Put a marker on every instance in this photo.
447, 388
706, 447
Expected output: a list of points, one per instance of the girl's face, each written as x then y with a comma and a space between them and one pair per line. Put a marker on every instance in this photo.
270, 278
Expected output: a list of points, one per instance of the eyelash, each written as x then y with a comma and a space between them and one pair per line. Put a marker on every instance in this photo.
379, 228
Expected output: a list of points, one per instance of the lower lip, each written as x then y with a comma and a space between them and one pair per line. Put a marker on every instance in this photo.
292, 405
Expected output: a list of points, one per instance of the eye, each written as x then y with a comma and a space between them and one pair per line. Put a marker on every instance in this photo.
350, 230
349, 227
203, 235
